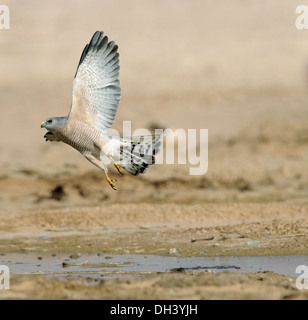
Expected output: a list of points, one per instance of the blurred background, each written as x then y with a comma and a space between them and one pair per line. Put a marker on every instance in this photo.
238, 68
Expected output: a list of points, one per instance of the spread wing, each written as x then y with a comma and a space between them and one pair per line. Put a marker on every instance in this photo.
96, 87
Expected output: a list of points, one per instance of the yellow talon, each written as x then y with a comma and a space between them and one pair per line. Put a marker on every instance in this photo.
118, 166
110, 181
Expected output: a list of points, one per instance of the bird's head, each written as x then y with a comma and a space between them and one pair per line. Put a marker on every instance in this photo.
55, 123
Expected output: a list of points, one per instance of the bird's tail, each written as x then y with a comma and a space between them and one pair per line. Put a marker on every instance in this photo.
137, 153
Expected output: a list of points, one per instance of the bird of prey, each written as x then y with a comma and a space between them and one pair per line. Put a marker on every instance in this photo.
96, 96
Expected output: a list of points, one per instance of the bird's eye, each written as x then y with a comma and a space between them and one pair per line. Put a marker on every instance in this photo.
49, 121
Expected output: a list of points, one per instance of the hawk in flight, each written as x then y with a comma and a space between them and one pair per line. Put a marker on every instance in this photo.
96, 96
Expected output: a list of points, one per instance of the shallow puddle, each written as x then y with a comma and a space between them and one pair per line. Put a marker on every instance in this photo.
95, 266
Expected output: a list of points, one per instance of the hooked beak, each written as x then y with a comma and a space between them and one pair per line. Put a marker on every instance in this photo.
43, 125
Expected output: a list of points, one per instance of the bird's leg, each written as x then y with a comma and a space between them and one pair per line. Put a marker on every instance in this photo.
110, 181
102, 166
117, 166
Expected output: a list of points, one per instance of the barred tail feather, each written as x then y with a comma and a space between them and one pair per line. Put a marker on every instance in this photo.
137, 153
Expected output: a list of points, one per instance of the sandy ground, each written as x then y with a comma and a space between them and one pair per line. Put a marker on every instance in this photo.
239, 71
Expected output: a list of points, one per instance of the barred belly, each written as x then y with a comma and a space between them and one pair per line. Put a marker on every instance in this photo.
82, 137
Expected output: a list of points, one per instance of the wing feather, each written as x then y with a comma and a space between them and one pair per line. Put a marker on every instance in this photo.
96, 87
